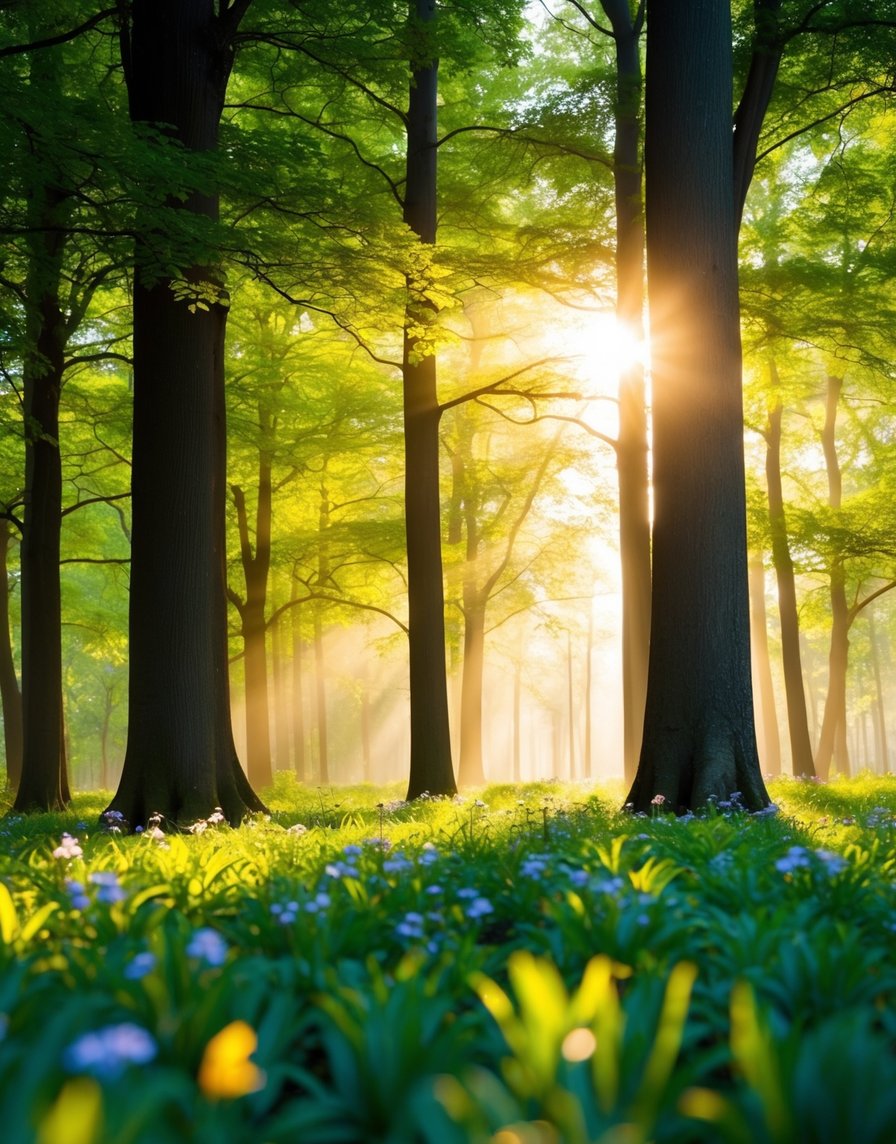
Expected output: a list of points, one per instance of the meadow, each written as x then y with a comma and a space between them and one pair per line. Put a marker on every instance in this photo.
525, 965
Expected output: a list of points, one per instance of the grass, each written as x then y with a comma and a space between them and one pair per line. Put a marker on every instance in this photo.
527, 966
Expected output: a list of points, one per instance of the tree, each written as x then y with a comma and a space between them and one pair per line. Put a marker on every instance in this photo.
180, 759
699, 738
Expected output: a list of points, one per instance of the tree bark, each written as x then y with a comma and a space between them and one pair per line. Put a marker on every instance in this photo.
320, 697
631, 444
431, 768
180, 759
471, 771
10, 694
770, 742
298, 698
802, 763
832, 744
42, 786
699, 737
880, 722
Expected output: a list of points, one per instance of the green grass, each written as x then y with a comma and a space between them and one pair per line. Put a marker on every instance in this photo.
523, 966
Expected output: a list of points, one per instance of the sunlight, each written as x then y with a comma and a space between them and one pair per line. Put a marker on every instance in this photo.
603, 348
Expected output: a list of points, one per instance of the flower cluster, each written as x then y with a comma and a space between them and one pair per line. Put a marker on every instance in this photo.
68, 848
106, 1053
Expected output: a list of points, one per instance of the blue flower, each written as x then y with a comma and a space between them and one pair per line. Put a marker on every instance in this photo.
106, 1053
140, 965
207, 945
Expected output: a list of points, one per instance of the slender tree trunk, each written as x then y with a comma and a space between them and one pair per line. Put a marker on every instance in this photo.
320, 685
517, 714
471, 770
631, 447
180, 759
571, 708
699, 737
366, 754
832, 746
10, 694
431, 768
802, 764
880, 722
587, 761
298, 698
770, 742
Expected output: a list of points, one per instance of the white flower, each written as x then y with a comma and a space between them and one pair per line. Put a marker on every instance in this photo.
68, 848
297, 828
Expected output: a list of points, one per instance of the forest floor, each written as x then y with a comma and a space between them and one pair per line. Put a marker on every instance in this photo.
524, 965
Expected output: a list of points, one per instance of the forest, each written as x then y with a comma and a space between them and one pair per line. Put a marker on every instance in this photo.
326, 371
446, 612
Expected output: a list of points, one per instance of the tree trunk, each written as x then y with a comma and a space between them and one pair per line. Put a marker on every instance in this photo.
517, 714
770, 750
41, 786
430, 764
699, 737
298, 698
10, 694
802, 764
880, 722
320, 692
587, 761
471, 770
832, 746
180, 759
631, 446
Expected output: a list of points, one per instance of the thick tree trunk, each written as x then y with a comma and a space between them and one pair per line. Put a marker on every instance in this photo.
832, 745
10, 695
802, 764
770, 742
699, 737
180, 759
430, 764
631, 446
41, 786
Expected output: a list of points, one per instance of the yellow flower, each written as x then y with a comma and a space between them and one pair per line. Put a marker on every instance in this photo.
226, 1071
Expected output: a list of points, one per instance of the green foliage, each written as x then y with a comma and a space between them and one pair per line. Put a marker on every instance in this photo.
527, 966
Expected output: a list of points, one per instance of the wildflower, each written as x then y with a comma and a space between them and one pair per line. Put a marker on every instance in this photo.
534, 866
795, 858
216, 818
428, 855
396, 864
285, 912
433, 890
226, 1071
68, 848
140, 965
317, 903
109, 890
479, 907
106, 1053
411, 926
341, 870
658, 800
207, 945
833, 863
78, 894
467, 892
297, 828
